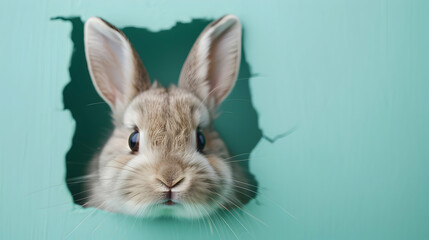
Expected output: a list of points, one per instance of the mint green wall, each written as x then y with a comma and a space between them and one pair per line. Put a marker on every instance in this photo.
342, 96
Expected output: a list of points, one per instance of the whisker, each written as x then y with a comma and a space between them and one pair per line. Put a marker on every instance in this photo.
84, 191
241, 154
68, 235
208, 215
205, 221
284, 210
230, 213
199, 223
77, 200
237, 100
252, 76
102, 221
82, 177
251, 215
228, 226
91, 104
206, 97
237, 206
248, 184
241, 160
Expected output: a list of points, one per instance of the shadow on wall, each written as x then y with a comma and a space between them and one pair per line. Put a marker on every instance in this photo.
163, 54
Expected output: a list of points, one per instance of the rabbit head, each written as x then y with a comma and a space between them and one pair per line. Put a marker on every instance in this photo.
164, 157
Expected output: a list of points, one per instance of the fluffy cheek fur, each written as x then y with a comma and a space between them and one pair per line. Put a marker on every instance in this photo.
129, 183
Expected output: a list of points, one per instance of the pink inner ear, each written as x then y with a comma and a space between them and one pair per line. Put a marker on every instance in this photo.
111, 61
211, 69
113, 56
224, 60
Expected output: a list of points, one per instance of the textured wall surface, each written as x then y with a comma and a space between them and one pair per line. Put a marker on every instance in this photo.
341, 93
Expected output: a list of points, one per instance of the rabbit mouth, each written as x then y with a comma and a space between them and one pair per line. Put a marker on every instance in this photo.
169, 202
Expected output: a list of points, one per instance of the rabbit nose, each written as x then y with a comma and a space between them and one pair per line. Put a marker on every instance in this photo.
170, 176
170, 182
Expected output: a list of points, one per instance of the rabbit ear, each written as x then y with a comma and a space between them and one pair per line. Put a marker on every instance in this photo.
211, 69
115, 68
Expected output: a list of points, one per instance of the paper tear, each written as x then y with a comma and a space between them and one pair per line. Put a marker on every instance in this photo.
279, 136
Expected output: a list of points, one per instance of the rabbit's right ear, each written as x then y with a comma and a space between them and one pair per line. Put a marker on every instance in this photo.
211, 68
115, 68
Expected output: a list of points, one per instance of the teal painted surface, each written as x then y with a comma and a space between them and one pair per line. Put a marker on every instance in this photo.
342, 96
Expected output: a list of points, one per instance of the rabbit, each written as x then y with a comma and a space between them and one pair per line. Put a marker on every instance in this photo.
164, 158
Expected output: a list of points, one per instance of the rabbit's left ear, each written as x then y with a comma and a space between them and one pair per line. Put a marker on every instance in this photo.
116, 69
211, 68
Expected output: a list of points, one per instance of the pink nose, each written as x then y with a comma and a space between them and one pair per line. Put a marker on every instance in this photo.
171, 183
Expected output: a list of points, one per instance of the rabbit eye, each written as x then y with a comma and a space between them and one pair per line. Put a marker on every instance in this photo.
133, 141
201, 140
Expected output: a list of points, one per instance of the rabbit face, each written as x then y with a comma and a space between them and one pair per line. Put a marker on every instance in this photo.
168, 175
